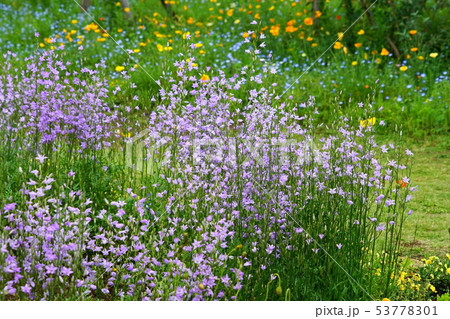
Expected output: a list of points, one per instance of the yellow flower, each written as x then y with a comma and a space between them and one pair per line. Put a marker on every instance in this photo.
358, 45
275, 30
412, 32
136, 50
120, 68
126, 9
309, 39
338, 45
308, 21
317, 14
385, 299
361, 32
91, 27
230, 12
433, 55
340, 35
355, 63
403, 68
368, 122
120, 30
205, 78
384, 52
433, 289
190, 20
198, 45
74, 21
420, 57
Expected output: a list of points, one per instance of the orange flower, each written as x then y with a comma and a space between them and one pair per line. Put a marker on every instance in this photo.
402, 183
291, 29
384, 52
412, 32
308, 21
317, 14
414, 49
358, 45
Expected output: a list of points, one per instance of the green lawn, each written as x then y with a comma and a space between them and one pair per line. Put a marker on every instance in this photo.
427, 231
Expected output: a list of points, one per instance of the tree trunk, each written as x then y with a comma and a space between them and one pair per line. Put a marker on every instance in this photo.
168, 9
85, 4
388, 38
126, 4
316, 6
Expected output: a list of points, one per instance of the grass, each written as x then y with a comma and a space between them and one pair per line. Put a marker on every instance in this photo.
427, 232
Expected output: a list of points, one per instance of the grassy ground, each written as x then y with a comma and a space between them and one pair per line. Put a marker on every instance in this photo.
427, 232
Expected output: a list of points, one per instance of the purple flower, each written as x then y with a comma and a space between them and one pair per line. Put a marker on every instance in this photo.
9, 207
41, 158
26, 289
380, 227
389, 202
270, 249
339, 246
66, 271
50, 269
71, 173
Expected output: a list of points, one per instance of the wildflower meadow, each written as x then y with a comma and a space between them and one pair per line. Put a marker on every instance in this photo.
255, 150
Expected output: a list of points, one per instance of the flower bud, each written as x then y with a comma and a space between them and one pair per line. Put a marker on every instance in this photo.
279, 290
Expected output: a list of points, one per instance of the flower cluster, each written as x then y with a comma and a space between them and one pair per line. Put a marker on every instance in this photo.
52, 103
